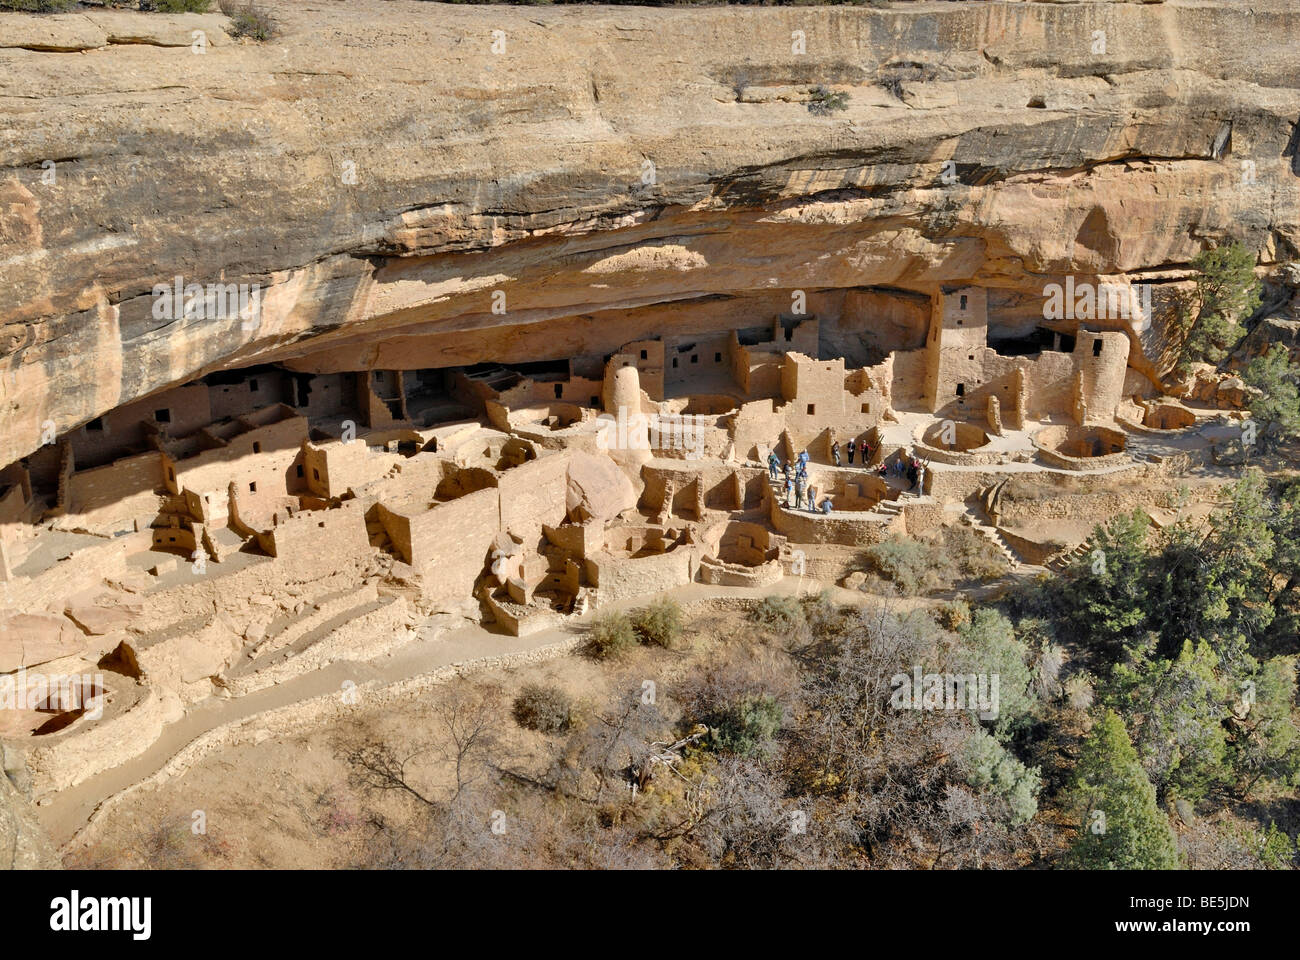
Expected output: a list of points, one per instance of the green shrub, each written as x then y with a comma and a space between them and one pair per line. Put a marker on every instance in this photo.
820, 612
990, 766
176, 6
911, 565
612, 635
953, 615
778, 613
748, 726
38, 6
969, 554
249, 20
824, 102
543, 708
918, 566
659, 623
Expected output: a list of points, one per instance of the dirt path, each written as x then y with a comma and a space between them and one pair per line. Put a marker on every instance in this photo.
69, 810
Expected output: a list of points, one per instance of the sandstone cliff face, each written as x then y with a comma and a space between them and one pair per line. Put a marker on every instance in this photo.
381, 172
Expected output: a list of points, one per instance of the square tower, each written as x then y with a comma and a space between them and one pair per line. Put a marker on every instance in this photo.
959, 333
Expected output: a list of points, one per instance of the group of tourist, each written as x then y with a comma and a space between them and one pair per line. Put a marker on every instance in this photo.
868, 451
800, 493
910, 467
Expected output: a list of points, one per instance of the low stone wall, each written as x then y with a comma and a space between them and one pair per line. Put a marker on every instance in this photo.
76, 758
1032, 551
723, 574
922, 518
965, 458
1062, 462
848, 529
1066, 447
365, 638
622, 578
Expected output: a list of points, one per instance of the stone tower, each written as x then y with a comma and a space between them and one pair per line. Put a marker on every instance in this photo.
959, 333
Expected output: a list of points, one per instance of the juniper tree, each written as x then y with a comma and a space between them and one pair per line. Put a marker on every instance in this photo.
1120, 826
1105, 597
1276, 409
1226, 294
1175, 710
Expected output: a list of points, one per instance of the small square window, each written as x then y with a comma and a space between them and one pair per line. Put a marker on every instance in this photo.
961, 389
595, 401
257, 447
717, 358
163, 416
643, 355
695, 358
300, 469
812, 408
674, 361
252, 488
97, 424
252, 385
866, 408
971, 357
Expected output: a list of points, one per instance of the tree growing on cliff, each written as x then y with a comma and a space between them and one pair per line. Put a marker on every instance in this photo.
1226, 294
1276, 409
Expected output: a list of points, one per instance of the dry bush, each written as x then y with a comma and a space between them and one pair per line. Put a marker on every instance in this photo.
612, 635
546, 709
250, 20
659, 623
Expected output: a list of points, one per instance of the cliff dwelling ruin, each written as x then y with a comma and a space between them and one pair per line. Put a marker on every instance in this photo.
227, 533
309, 358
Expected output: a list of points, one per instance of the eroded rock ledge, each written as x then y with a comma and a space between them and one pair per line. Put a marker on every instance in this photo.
984, 143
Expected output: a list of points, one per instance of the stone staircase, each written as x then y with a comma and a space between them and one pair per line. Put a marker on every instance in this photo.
994, 536
889, 508
1065, 558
